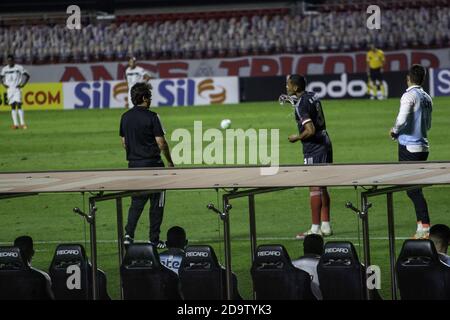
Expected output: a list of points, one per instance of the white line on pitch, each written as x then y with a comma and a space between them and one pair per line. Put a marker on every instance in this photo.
212, 240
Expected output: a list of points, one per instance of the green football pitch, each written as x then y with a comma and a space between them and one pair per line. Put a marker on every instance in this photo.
88, 139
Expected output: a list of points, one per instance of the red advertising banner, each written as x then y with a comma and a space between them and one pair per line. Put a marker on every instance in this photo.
249, 66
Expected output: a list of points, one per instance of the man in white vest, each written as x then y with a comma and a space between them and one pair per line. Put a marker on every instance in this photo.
410, 130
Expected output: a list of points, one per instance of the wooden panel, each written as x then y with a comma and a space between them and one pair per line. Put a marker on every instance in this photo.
241, 177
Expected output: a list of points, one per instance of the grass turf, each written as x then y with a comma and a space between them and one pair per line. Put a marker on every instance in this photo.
88, 139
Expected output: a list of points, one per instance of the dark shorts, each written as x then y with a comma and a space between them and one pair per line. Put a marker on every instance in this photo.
324, 157
405, 155
375, 74
145, 163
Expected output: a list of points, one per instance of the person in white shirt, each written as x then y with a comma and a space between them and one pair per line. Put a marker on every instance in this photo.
14, 77
312, 249
176, 244
134, 74
440, 235
410, 129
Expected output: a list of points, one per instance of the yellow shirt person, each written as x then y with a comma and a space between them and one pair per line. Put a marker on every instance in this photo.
375, 58
375, 62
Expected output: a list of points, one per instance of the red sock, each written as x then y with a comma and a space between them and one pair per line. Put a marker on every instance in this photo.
316, 204
325, 210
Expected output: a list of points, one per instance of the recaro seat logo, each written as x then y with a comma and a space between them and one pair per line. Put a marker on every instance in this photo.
336, 250
67, 252
215, 97
271, 253
9, 255
197, 254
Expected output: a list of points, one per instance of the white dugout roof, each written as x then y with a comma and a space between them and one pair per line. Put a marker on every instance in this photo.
384, 174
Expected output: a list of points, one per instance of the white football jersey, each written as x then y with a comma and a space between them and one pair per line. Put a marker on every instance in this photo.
13, 76
135, 75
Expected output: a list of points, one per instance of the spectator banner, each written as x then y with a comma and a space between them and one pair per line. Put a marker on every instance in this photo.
247, 66
37, 96
166, 92
440, 82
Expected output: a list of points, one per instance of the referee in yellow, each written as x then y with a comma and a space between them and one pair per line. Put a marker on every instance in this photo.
375, 62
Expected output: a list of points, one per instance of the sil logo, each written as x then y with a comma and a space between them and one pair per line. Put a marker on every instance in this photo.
121, 89
216, 97
178, 92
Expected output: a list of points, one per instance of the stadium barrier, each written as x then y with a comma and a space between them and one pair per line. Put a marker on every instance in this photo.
166, 92
331, 86
37, 96
213, 90
440, 82
245, 66
114, 94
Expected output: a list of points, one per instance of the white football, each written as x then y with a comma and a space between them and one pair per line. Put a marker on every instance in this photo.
225, 123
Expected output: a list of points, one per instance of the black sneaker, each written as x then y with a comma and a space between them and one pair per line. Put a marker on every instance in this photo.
127, 240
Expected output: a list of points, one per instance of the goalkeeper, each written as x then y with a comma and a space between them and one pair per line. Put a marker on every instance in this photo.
375, 62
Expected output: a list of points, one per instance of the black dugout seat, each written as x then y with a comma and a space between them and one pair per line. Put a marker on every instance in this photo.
421, 275
18, 281
71, 274
144, 277
202, 277
276, 278
341, 275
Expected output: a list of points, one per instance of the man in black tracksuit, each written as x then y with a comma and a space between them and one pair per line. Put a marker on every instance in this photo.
143, 139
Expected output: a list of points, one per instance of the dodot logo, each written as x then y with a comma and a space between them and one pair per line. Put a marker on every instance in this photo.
339, 88
74, 280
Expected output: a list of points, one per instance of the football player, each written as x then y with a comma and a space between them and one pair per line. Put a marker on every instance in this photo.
14, 77
317, 147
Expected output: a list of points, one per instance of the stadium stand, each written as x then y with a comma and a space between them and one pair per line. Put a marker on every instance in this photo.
201, 266
61, 272
332, 27
361, 5
276, 278
144, 277
421, 275
18, 281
